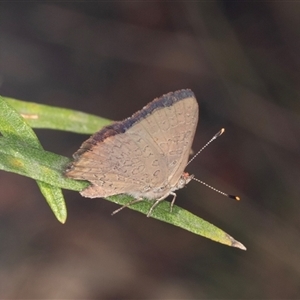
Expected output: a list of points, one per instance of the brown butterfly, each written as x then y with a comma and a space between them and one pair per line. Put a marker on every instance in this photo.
143, 156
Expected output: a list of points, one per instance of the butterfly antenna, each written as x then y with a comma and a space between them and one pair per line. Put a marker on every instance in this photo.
218, 191
212, 139
204, 183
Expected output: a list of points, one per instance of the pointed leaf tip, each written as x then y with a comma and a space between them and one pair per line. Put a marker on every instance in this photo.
236, 244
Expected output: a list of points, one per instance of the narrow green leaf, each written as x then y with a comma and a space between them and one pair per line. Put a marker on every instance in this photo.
55, 199
38, 164
13, 125
181, 218
48, 167
21, 153
44, 116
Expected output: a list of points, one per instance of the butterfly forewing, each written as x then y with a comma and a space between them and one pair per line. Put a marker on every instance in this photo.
142, 153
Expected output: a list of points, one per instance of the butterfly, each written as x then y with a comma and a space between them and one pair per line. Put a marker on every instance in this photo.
143, 156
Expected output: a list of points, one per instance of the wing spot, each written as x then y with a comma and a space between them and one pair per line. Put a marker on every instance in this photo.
137, 170
155, 163
156, 173
173, 163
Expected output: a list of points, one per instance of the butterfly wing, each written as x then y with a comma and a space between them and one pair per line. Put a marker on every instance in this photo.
119, 164
172, 130
142, 153
183, 119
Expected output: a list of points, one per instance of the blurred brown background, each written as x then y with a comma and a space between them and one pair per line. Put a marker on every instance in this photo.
111, 58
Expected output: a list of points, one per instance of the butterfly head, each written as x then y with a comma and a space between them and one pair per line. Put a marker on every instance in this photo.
184, 179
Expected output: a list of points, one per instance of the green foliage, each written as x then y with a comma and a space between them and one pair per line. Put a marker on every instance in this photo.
22, 153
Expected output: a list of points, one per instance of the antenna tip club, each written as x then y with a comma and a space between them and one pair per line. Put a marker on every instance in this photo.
219, 133
234, 197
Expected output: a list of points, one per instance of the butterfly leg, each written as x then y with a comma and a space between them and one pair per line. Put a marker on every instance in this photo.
126, 205
173, 201
159, 200
153, 206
